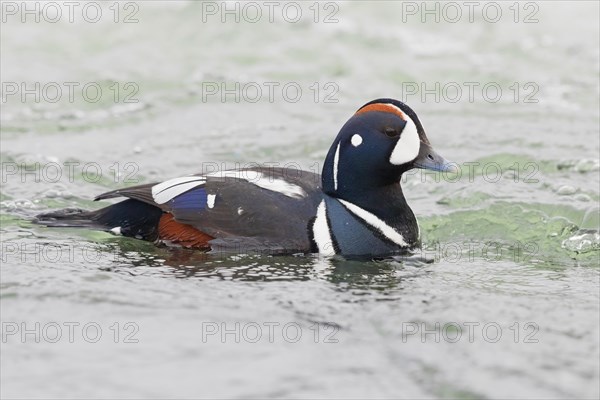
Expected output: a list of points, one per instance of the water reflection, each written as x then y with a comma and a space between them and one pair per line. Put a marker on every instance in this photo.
345, 274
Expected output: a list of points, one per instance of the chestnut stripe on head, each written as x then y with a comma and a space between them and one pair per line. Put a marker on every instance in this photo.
383, 107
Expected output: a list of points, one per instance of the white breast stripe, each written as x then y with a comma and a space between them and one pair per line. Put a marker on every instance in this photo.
266, 182
321, 232
407, 147
165, 191
336, 159
375, 222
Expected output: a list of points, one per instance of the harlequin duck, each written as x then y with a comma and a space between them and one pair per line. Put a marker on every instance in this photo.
355, 208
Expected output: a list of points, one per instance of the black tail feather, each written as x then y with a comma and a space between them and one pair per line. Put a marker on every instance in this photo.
131, 218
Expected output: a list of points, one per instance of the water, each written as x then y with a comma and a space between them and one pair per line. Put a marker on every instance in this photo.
506, 304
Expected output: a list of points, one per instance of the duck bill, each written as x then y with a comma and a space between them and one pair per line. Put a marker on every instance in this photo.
429, 159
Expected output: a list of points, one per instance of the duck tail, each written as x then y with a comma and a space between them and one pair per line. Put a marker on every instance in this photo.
131, 218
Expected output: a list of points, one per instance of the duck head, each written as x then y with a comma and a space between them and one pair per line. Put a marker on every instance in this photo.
381, 141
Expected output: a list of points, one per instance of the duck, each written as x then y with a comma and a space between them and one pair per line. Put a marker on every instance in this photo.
355, 207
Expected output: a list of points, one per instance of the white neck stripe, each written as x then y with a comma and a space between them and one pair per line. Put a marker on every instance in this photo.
375, 222
336, 159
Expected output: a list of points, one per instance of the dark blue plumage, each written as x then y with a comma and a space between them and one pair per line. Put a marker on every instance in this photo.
194, 200
351, 236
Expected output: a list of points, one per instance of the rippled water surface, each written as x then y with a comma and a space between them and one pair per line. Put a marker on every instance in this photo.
502, 301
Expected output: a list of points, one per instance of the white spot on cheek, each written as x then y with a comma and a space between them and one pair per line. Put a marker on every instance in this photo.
240, 210
356, 140
210, 200
116, 230
407, 147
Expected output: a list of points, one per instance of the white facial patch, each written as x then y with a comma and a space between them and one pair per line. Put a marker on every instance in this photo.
167, 190
408, 146
356, 140
322, 233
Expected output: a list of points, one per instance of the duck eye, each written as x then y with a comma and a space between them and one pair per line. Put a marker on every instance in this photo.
391, 132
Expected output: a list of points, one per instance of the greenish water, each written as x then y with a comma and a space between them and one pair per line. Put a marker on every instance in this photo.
506, 304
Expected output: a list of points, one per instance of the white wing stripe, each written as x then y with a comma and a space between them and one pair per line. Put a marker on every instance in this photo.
165, 191
280, 186
175, 181
263, 181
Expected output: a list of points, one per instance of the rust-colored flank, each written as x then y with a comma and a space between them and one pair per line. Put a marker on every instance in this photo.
182, 234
